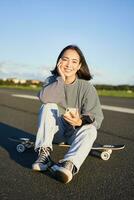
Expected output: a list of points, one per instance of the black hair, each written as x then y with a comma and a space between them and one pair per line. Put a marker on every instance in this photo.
83, 72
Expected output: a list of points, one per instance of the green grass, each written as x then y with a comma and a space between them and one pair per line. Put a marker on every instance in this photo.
116, 93
113, 93
20, 87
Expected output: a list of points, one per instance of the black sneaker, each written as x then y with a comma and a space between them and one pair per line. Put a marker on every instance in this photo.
44, 161
64, 171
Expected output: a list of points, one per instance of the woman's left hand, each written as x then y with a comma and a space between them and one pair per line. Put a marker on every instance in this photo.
73, 118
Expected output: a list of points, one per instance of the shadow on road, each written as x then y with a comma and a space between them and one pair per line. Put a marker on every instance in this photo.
24, 159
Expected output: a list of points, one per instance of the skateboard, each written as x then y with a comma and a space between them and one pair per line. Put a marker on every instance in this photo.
99, 150
102, 151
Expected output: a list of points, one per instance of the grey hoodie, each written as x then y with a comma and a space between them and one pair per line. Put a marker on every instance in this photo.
80, 94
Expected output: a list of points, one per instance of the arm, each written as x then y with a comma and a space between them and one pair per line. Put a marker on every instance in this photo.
53, 91
91, 110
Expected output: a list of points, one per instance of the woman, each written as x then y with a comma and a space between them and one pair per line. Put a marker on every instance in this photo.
70, 113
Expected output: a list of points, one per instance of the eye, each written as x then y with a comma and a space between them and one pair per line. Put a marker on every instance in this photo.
75, 62
64, 59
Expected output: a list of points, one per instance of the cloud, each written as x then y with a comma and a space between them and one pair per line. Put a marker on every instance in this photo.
99, 76
97, 73
10, 69
131, 80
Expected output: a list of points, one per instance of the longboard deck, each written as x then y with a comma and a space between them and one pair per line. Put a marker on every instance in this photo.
100, 146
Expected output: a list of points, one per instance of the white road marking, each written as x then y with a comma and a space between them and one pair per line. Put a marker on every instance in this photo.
25, 96
118, 109
104, 107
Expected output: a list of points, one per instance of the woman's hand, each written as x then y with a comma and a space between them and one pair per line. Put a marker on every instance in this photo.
73, 118
59, 69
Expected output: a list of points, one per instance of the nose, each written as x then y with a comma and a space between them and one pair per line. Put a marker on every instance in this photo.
68, 63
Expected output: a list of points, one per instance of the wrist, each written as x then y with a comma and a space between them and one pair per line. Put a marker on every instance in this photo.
86, 119
80, 122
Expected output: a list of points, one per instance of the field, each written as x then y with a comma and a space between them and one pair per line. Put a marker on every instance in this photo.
116, 93
101, 92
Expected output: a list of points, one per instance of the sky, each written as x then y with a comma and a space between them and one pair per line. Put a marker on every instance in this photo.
33, 33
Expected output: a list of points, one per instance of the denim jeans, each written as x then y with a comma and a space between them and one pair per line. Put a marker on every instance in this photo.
53, 128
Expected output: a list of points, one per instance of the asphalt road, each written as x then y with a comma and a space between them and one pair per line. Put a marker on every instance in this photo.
97, 179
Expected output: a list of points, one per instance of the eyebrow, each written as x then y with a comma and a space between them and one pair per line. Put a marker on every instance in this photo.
68, 58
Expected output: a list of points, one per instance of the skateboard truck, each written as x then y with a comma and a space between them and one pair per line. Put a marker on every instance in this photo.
103, 154
25, 144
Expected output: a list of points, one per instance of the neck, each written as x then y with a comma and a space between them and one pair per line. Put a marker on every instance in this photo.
69, 80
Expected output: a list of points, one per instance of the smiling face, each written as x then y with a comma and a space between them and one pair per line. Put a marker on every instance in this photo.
70, 63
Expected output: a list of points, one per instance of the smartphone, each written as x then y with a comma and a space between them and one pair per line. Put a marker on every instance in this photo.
72, 110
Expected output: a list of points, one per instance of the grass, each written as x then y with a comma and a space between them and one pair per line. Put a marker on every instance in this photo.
103, 92
20, 87
116, 93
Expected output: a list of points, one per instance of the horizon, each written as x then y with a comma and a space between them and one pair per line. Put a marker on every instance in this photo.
19, 80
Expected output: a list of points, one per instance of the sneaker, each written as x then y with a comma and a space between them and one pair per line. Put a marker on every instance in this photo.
64, 171
44, 161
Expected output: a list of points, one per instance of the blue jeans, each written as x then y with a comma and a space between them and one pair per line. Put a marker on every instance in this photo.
53, 127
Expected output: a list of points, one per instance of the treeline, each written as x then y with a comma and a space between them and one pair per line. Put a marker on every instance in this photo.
39, 83
115, 87
20, 82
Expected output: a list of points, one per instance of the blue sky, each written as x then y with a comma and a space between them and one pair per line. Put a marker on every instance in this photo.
33, 32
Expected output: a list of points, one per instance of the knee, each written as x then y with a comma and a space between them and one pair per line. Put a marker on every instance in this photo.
90, 132
49, 106
49, 110
93, 132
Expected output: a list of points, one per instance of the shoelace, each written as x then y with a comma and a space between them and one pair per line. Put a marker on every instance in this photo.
68, 165
43, 155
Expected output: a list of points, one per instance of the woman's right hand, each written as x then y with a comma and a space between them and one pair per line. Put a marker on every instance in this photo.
59, 65
73, 118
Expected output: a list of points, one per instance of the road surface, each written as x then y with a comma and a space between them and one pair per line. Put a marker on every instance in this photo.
97, 179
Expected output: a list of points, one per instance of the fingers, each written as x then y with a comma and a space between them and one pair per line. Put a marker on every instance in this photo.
75, 114
59, 62
73, 121
72, 114
59, 65
69, 120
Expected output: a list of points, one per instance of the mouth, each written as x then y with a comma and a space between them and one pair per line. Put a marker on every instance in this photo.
67, 70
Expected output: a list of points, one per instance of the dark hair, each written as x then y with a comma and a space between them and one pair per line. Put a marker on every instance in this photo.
83, 72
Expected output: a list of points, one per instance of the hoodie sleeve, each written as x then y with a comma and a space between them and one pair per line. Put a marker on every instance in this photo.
53, 91
92, 107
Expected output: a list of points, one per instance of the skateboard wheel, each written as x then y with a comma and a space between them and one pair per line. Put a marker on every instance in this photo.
105, 155
109, 151
20, 148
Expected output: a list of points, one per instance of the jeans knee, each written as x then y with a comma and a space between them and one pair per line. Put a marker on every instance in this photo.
48, 106
91, 132
49, 110
88, 132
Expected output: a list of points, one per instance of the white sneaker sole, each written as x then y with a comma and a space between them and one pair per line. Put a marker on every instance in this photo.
62, 174
39, 167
